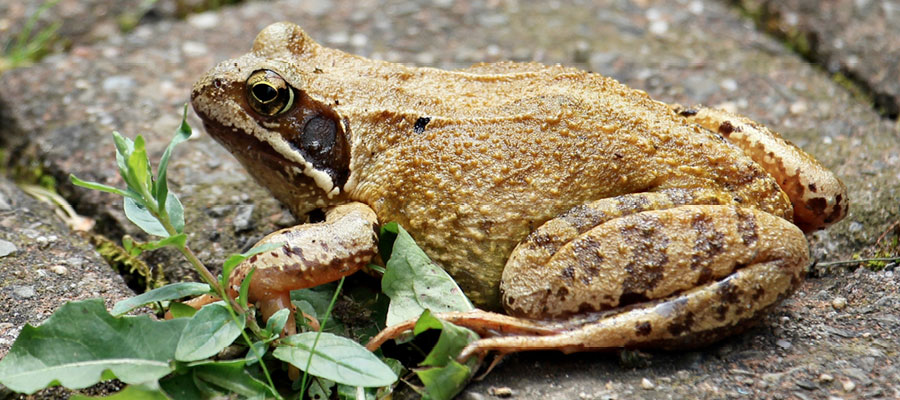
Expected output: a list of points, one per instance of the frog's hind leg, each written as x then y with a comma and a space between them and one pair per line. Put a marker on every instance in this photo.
688, 320
818, 196
682, 276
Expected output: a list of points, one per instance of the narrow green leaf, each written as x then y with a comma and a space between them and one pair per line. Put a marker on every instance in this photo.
81, 340
207, 333
168, 292
162, 186
336, 358
230, 375
175, 211
140, 216
245, 287
98, 186
147, 391
124, 148
414, 283
451, 342
443, 383
139, 168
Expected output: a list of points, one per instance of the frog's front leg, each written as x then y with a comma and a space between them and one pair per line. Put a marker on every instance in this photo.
679, 276
312, 254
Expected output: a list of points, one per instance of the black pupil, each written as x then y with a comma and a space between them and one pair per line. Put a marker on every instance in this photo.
264, 92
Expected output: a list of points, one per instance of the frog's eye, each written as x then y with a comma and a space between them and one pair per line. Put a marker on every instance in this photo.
268, 93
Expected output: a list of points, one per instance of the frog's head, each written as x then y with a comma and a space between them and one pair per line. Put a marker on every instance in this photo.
256, 106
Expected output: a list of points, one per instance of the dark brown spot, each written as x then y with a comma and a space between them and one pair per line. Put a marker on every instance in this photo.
645, 235
568, 273
510, 300
274, 254
583, 218
683, 320
689, 112
746, 226
708, 244
253, 258
729, 295
643, 328
420, 124
632, 204
562, 293
817, 205
758, 293
726, 128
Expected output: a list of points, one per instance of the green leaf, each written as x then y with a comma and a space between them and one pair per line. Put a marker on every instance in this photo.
81, 340
147, 391
140, 216
168, 292
181, 310
235, 259
99, 186
175, 211
245, 287
124, 148
320, 388
230, 375
256, 351
162, 186
451, 342
414, 283
208, 332
276, 322
386, 238
139, 168
443, 383
336, 358
181, 386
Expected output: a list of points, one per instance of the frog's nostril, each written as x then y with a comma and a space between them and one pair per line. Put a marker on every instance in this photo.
217, 83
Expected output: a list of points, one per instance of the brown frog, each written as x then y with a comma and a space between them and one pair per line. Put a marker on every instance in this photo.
594, 215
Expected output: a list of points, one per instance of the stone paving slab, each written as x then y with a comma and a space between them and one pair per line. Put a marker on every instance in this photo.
682, 51
859, 39
43, 264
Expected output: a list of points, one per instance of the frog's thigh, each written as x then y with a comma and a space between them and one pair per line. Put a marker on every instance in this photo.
650, 255
818, 196
312, 254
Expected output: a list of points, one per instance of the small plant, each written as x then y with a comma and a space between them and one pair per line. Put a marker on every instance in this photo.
82, 343
28, 48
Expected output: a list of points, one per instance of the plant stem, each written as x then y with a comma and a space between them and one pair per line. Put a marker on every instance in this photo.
321, 328
862, 260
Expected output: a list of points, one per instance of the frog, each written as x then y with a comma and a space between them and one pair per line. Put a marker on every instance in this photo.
576, 212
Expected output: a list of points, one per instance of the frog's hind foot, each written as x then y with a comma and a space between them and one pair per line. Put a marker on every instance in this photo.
485, 323
818, 196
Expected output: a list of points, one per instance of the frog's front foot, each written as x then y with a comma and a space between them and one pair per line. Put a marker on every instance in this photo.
311, 254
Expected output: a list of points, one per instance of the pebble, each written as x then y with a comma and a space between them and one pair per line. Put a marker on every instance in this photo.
24, 292
502, 391
826, 378
784, 344
6, 248
243, 218
848, 385
646, 384
59, 269
839, 303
